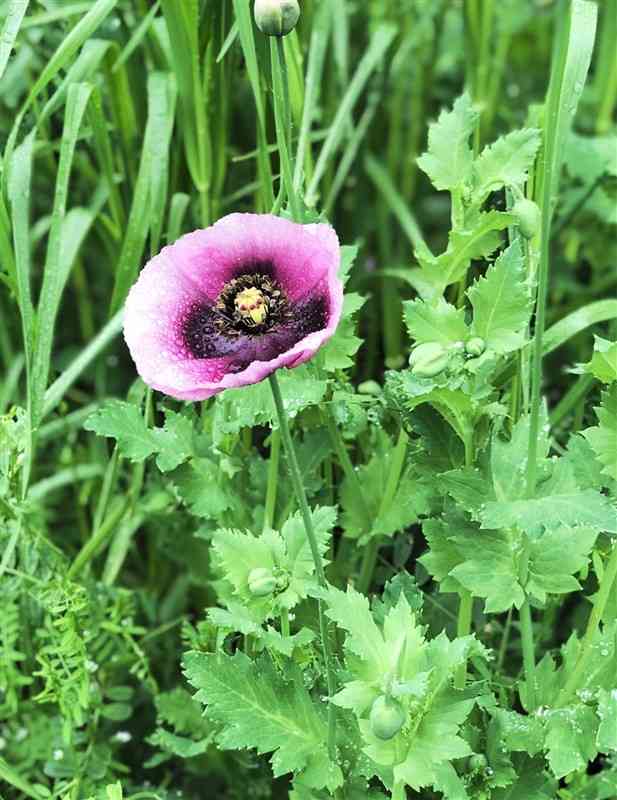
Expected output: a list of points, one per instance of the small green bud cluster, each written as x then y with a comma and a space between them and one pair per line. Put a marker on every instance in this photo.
387, 717
261, 582
475, 346
477, 761
527, 215
429, 359
276, 17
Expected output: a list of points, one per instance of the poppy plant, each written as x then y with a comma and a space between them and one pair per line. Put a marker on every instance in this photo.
227, 306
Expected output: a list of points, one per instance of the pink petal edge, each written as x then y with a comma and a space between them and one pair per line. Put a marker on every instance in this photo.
158, 301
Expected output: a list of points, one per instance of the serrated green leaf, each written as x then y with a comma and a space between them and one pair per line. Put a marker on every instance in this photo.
253, 405
570, 737
180, 746
434, 321
409, 502
603, 364
585, 465
531, 782
555, 559
175, 441
298, 562
520, 733
486, 563
501, 303
259, 710
606, 739
396, 658
125, 423
449, 158
287, 555
603, 437
506, 162
465, 246
200, 486
338, 352
588, 508
349, 253
351, 612
508, 459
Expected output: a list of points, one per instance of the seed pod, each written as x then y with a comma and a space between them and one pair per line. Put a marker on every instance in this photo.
428, 359
475, 346
386, 718
276, 17
261, 582
527, 215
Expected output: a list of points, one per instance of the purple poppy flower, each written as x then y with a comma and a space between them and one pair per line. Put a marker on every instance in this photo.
227, 306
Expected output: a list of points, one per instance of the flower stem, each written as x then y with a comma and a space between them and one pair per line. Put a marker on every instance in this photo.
282, 119
503, 647
606, 585
529, 659
273, 474
284, 622
463, 628
296, 479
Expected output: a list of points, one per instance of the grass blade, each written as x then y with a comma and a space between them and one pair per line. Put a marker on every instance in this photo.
247, 41
177, 210
82, 70
571, 60
381, 40
398, 206
161, 99
10, 29
65, 51
56, 270
182, 20
71, 44
19, 200
317, 55
137, 37
62, 384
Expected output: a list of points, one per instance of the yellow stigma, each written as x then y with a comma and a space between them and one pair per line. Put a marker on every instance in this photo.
251, 305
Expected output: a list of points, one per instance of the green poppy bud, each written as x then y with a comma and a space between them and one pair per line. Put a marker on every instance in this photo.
428, 359
386, 718
477, 761
261, 582
475, 346
276, 17
369, 387
527, 215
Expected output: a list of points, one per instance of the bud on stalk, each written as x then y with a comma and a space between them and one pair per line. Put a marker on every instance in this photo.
261, 582
276, 17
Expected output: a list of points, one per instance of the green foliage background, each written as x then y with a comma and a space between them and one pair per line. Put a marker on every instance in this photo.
466, 513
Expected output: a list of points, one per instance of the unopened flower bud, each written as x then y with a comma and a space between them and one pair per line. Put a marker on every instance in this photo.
261, 582
428, 359
475, 346
477, 761
386, 718
276, 17
527, 215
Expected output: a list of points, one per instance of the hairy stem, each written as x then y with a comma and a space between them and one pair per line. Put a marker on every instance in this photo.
463, 628
298, 486
273, 474
282, 119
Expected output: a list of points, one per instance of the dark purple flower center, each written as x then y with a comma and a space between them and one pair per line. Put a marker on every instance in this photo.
251, 320
251, 304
